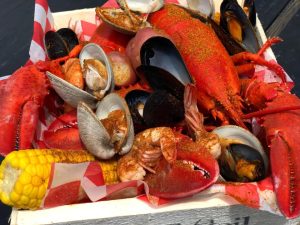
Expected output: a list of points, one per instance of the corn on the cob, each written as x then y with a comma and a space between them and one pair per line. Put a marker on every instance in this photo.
109, 170
24, 174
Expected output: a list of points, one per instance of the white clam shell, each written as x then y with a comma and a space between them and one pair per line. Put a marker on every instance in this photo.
113, 102
92, 132
69, 93
205, 7
94, 51
145, 6
246, 137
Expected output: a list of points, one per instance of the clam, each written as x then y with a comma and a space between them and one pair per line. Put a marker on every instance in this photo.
73, 95
145, 6
235, 21
110, 130
126, 22
205, 7
243, 158
69, 93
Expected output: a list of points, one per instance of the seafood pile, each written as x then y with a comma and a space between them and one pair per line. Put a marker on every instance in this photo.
171, 95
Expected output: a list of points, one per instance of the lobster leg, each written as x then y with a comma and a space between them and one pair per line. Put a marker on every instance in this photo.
245, 56
28, 124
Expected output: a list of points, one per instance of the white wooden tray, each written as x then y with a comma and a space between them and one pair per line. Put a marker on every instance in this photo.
210, 210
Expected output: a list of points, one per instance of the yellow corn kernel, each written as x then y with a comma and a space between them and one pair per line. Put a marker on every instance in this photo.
42, 191
27, 189
109, 171
50, 158
18, 187
34, 192
42, 159
24, 174
24, 200
14, 197
25, 178
24, 162
34, 160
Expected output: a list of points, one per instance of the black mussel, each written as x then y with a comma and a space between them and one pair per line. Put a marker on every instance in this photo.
69, 37
160, 79
232, 46
60, 43
136, 101
55, 45
250, 10
241, 163
235, 21
162, 109
162, 53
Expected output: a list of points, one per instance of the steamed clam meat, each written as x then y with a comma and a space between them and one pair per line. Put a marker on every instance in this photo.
96, 77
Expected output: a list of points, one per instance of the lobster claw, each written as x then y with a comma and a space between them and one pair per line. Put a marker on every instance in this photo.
193, 171
63, 133
22, 96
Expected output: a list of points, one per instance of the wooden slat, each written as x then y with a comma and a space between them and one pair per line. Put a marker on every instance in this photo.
233, 215
283, 18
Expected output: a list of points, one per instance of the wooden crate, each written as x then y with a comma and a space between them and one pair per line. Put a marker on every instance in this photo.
204, 210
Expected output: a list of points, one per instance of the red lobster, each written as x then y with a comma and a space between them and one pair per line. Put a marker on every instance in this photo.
208, 62
22, 95
280, 118
219, 91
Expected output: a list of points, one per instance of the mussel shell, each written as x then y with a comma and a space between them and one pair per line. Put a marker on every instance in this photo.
69, 36
161, 52
160, 79
231, 8
250, 4
245, 137
135, 99
162, 109
69, 93
242, 152
56, 47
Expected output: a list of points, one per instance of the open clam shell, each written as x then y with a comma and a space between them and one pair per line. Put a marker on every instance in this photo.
113, 102
245, 137
93, 133
71, 94
94, 51
120, 21
206, 7
145, 6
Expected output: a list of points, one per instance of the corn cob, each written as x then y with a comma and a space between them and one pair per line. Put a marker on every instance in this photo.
24, 174
109, 170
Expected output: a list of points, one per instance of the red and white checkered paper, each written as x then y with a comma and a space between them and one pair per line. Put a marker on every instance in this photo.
72, 183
